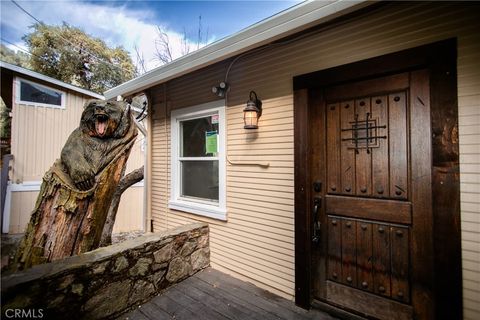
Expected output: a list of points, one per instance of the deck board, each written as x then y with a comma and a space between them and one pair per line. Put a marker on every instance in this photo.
225, 297
240, 291
195, 305
215, 301
169, 304
213, 295
137, 315
148, 311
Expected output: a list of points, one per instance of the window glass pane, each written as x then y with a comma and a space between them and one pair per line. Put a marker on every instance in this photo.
35, 93
200, 179
193, 136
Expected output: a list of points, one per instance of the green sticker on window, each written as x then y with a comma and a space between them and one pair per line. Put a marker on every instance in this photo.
211, 142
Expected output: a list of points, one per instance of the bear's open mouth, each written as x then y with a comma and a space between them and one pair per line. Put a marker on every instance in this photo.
101, 124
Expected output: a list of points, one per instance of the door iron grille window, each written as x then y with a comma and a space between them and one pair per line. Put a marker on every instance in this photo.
364, 133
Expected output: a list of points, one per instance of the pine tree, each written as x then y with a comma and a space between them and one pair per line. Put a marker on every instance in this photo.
69, 54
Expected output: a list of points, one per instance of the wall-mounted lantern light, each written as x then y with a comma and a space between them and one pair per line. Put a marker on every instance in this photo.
252, 112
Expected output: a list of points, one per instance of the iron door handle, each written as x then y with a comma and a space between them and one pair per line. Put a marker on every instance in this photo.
317, 203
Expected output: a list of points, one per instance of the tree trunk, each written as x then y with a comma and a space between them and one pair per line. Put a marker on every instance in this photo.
127, 181
67, 221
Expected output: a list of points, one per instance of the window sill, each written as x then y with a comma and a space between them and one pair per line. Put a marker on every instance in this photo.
198, 209
38, 104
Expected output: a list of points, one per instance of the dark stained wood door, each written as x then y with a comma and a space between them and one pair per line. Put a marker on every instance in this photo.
371, 221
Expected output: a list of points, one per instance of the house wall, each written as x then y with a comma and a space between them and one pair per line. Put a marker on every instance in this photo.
257, 242
38, 136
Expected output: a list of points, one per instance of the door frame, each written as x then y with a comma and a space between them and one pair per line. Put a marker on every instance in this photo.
443, 269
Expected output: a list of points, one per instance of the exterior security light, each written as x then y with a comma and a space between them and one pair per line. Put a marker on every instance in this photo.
221, 89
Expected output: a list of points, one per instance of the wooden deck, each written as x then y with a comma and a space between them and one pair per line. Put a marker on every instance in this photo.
213, 295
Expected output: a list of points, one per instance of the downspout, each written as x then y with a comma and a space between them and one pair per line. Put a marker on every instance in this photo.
167, 155
147, 195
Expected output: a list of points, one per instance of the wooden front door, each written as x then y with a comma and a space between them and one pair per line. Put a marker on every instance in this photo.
370, 168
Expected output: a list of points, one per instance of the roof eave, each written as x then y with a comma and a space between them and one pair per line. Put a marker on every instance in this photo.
39, 76
296, 19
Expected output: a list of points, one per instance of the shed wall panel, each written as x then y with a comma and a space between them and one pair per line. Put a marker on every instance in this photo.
21, 207
129, 214
257, 196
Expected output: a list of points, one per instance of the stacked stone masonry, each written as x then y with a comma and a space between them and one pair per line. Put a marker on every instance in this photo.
108, 281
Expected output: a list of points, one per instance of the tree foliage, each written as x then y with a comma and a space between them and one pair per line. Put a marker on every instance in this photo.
69, 54
5, 121
18, 58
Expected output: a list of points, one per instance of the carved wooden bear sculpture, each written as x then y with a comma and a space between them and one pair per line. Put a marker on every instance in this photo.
76, 193
93, 145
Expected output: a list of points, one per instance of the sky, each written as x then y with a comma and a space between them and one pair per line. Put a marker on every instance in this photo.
134, 23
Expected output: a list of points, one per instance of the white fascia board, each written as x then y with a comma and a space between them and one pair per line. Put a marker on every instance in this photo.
48, 79
288, 22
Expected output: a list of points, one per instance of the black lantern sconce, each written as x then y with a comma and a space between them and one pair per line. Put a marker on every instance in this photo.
252, 112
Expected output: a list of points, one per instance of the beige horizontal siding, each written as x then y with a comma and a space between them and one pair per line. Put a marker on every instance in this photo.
257, 242
469, 124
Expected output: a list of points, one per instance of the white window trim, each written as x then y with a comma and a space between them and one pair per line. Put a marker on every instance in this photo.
203, 208
18, 99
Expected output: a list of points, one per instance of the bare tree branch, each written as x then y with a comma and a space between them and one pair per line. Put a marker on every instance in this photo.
206, 36
163, 50
163, 44
140, 61
185, 44
199, 38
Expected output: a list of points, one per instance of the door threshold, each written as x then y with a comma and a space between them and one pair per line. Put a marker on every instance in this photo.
335, 311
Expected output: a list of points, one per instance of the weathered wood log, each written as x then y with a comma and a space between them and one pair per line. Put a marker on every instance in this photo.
72, 205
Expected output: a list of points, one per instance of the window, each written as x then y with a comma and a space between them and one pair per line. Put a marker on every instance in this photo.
31, 93
198, 160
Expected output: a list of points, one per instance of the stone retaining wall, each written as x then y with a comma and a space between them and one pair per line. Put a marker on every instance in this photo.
108, 281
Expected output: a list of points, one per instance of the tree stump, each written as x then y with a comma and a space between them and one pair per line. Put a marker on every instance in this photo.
66, 220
